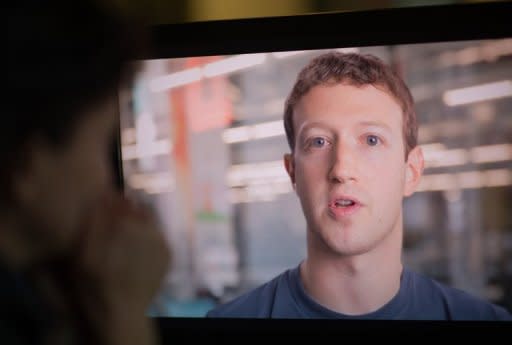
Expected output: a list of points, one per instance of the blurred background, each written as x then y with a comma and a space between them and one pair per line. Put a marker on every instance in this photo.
203, 140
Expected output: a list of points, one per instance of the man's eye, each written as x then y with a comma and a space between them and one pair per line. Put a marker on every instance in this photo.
372, 140
318, 142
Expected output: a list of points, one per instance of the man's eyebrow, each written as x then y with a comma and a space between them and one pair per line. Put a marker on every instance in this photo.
375, 124
313, 125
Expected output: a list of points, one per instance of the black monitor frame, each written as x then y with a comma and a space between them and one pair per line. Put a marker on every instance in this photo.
340, 29
407, 25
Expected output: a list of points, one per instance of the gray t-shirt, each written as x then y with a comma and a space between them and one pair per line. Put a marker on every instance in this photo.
419, 298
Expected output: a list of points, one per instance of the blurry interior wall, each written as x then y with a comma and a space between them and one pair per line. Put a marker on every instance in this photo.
165, 12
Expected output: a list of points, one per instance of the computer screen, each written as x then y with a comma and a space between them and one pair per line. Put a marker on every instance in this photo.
202, 141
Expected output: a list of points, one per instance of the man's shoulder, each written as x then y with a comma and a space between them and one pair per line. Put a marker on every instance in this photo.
458, 304
256, 303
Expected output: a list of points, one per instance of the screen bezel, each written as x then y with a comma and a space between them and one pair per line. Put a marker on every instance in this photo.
424, 24
407, 25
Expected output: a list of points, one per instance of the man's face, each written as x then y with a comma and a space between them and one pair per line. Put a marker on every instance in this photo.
59, 186
348, 167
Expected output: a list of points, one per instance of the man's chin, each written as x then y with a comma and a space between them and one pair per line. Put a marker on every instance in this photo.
349, 245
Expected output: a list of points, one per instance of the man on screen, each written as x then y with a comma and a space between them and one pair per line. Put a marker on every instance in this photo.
352, 130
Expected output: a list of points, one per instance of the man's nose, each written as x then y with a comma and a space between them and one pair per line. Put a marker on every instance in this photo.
343, 164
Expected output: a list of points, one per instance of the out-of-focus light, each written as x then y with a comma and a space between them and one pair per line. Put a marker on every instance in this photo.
128, 136
233, 64
470, 179
155, 148
478, 93
260, 192
435, 159
152, 183
437, 182
466, 180
268, 129
436, 155
236, 134
283, 55
176, 79
433, 147
348, 50
222, 67
254, 173
252, 132
487, 51
159, 190
145, 128
491, 153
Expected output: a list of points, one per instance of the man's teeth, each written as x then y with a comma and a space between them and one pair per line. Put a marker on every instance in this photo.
344, 203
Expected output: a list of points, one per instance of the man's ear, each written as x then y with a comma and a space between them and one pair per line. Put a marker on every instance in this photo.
289, 165
414, 170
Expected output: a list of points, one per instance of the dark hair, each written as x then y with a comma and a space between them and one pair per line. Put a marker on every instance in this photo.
354, 69
63, 56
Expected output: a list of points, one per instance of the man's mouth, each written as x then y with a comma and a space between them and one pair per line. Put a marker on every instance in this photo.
344, 203
343, 206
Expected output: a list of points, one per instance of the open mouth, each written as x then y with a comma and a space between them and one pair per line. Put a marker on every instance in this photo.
344, 203
343, 206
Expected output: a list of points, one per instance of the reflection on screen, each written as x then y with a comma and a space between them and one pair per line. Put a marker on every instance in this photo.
203, 141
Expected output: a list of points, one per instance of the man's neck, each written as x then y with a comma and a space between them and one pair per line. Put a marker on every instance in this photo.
355, 285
